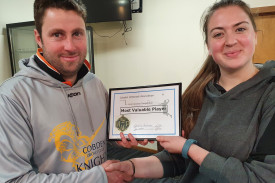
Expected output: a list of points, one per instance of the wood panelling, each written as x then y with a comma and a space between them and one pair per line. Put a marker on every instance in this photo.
265, 20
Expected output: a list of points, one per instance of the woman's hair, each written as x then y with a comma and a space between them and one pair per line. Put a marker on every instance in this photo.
192, 98
40, 6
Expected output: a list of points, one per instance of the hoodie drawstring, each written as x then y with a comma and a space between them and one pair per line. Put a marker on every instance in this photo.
72, 113
88, 110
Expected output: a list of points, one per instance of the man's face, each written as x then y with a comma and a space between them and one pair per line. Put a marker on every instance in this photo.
63, 41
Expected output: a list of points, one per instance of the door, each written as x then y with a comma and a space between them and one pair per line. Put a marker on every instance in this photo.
265, 20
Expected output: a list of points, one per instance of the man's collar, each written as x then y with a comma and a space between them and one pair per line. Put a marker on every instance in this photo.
48, 68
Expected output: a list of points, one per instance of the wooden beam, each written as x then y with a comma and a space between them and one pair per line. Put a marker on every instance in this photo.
153, 151
262, 11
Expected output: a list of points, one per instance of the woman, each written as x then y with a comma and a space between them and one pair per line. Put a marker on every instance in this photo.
228, 111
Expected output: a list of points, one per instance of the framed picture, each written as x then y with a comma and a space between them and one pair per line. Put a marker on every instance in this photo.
136, 6
145, 111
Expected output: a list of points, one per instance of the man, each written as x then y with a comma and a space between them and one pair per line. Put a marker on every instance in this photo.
52, 112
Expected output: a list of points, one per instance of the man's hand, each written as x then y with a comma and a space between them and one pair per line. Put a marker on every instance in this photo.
115, 175
123, 166
118, 177
108, 162
133, 142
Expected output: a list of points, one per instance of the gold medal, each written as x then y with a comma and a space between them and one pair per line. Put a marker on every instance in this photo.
122, 123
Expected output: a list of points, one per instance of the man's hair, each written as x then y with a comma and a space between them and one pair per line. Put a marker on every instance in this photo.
40, 6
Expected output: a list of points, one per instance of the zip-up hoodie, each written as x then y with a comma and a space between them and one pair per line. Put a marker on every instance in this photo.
238, 128
50, 131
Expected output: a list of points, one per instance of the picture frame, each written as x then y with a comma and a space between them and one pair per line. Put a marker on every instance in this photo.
145, 111
136, 6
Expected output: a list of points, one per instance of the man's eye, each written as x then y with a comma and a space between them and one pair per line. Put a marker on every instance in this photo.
77, 34
56, 34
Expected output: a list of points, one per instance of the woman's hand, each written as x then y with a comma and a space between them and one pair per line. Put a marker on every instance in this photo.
172, 144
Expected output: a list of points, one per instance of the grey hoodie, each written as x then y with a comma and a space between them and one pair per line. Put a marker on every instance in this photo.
238, 128
49, 131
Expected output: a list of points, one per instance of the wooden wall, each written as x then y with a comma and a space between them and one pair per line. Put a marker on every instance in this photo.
265, 20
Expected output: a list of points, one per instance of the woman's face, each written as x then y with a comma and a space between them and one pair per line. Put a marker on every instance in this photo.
231, 38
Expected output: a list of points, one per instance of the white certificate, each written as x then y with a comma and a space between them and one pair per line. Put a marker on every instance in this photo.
146, 112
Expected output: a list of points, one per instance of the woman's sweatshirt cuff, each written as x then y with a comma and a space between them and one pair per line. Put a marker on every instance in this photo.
212, 166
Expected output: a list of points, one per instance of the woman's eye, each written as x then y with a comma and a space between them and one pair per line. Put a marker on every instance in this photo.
241, 29
217, 35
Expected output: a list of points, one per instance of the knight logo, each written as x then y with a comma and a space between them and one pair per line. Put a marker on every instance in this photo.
74, 148
98, 160
74, 94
